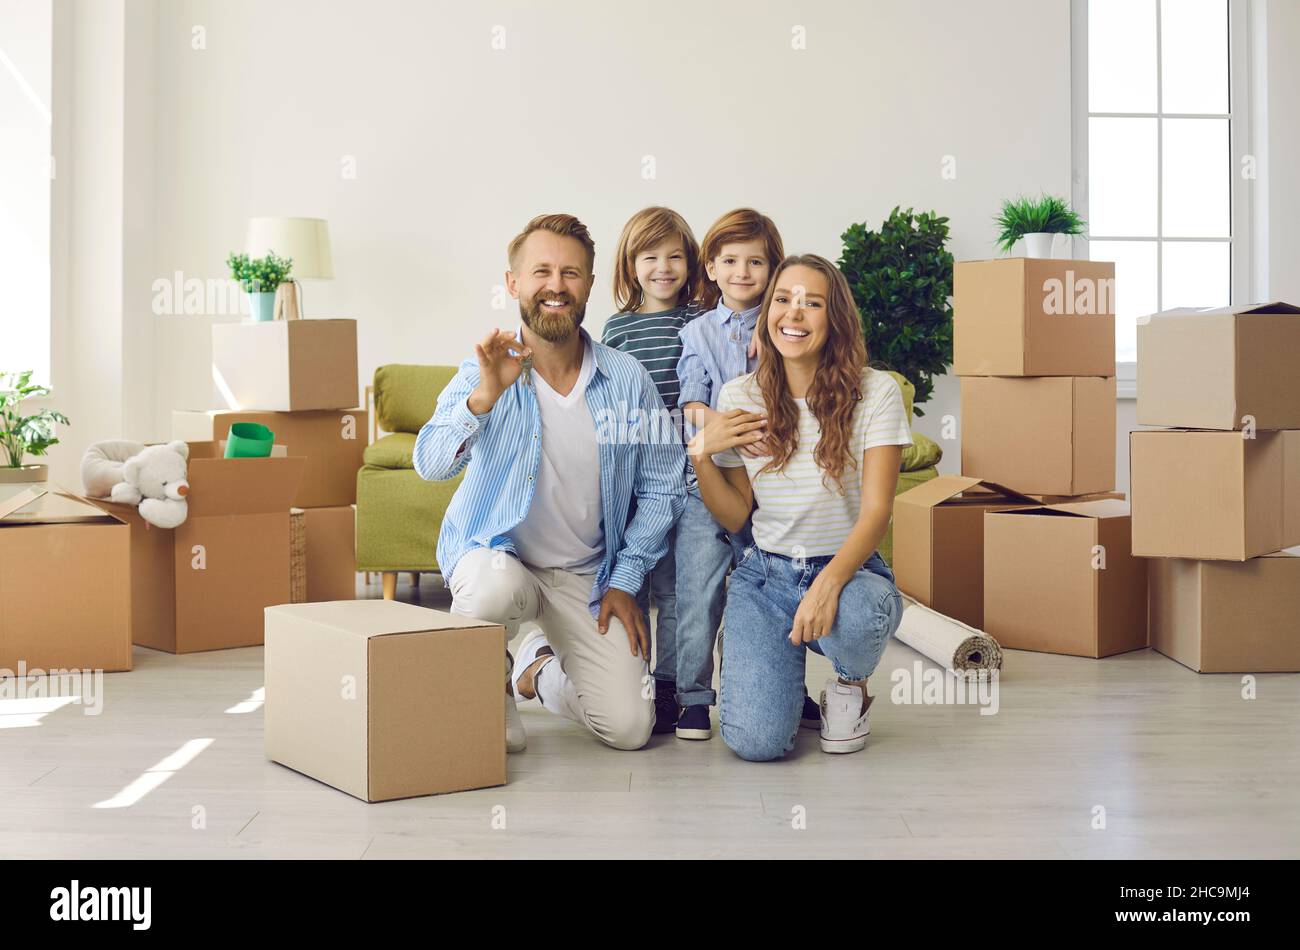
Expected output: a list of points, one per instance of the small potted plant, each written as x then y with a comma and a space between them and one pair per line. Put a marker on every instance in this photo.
1037, 222
24, 435
260, 277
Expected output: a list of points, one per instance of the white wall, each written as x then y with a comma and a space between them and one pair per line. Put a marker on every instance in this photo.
456, 144
165, 150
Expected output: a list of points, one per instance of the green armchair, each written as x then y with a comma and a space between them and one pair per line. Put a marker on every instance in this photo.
398, 512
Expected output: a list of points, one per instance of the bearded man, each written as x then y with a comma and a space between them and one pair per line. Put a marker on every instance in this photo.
539, 532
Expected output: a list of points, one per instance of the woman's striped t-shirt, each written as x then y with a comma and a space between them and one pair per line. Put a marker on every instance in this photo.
798, 515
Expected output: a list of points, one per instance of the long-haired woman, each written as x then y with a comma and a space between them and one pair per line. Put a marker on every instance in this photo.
821, 501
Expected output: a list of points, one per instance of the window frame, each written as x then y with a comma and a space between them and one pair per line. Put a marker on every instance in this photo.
1239, 138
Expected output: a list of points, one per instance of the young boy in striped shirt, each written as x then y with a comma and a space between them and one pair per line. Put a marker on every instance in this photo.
656, 276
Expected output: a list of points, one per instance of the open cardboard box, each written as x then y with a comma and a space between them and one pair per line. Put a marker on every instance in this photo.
1214, 495
385, 700
1028, 317
1226, 617
1061, 579
1046, 435
332, 441
204, 584
939, 542
1211, 369
65, 583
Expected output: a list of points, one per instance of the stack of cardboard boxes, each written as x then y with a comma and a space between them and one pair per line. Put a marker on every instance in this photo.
299, 379
1031, 543
1216, 494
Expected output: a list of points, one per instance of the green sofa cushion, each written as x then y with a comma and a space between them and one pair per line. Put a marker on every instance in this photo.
924, 452
909, 391
405, 395
392, 451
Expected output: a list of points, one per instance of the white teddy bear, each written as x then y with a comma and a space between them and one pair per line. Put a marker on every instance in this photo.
155, 479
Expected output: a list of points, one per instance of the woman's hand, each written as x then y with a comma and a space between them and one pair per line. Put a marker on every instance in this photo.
816, 614
728, 430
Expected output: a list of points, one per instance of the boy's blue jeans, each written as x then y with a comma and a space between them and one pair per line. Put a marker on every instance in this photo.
763, 672
661, 584
704, 552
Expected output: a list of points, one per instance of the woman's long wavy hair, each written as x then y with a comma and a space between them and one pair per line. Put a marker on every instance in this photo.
836, 388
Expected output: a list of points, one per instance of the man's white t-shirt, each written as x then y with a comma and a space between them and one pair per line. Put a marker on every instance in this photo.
799, 515
563, 527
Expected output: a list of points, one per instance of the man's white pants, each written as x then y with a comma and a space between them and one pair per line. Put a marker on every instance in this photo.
595, 679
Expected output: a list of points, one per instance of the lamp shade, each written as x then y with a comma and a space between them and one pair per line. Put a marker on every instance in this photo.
305, 240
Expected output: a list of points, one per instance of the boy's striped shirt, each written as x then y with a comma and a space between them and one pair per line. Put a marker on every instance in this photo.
653, 338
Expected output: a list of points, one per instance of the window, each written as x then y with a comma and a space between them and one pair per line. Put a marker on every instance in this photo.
26, 44
1157, 142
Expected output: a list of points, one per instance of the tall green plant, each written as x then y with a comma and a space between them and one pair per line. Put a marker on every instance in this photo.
25, 435
901, 278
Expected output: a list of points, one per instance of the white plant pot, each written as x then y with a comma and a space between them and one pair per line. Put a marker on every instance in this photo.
1042, 244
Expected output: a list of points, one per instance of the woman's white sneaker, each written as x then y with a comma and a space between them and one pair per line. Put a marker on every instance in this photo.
846, 722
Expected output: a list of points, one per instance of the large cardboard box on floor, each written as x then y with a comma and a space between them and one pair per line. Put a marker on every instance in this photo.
204, 584
385, 700
330, 553
1061, 579
1226, 617
1024, 317
1046, 435
1214, 495
286, 365
331, 440
939, 543
1225, 368
65, 583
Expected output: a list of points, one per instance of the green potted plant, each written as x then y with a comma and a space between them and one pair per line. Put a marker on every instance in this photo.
901, 278
260, 277
1037, 222
24, 435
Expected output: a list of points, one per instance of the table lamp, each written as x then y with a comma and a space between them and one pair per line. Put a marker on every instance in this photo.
304, 240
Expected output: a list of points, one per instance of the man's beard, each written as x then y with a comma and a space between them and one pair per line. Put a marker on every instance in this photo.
552, 327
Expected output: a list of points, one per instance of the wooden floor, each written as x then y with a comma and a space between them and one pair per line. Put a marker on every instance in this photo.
1182, 765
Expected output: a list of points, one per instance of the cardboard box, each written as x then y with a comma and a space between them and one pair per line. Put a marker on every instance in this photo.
1025, 317
1211, 369
65, 583
385, 700
1224, 617
331, 553
1046, 435
1214, 495
332, 441
204, 584
939, 543
286, 365
1045, 586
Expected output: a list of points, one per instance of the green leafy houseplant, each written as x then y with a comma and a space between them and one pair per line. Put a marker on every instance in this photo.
25, 435
901, 278
261, 275
1047, 214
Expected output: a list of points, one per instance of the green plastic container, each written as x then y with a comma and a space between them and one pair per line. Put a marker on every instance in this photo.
249, 440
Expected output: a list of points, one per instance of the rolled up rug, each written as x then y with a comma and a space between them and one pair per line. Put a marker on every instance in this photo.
950, 643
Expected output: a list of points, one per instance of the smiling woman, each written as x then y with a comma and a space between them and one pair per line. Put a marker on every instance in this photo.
821, 497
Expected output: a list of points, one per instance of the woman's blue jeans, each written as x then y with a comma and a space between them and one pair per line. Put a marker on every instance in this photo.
763, 672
